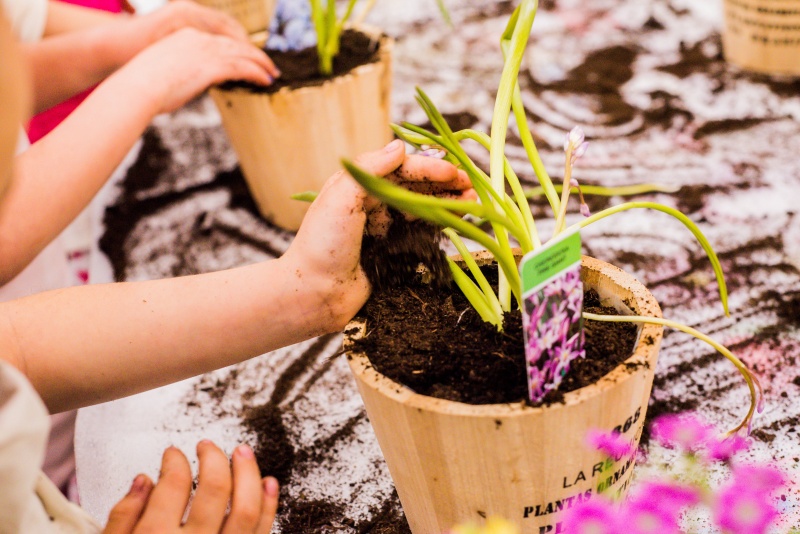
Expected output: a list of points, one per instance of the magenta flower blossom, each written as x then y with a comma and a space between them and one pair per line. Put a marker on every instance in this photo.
668, 495
611, 443
741, 510
646, 516
760, 478
596, 516
724, 449
684, 431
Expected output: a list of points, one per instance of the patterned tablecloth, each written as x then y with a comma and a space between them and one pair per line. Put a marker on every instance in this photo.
646, 80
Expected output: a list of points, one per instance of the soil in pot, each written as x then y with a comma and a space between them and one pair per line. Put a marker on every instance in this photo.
429, 338
300, 68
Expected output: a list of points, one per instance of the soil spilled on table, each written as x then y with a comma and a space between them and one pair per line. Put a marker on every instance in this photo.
300, 68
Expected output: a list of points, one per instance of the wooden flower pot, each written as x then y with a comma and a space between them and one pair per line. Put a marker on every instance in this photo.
292, 140
763, 35
254, 15
453, 462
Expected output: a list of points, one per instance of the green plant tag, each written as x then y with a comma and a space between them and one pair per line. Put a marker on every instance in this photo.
552, 297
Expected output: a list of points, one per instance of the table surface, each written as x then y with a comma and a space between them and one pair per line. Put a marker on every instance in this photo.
647, 82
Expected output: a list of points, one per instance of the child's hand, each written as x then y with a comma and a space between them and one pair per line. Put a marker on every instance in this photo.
160, 508
179, 14
179, 67
327, 250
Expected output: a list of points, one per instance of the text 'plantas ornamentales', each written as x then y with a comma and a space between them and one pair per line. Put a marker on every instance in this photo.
509, 213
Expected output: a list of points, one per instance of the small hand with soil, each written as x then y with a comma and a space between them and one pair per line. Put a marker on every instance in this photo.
180, 66
326, 252
161, 507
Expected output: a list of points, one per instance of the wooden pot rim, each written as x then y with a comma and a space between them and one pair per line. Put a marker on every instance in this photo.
384, 53
644, 354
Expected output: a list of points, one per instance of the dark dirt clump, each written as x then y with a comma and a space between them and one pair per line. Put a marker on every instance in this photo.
315, 517
388, 520
406, 245
300, 68
274, 453
434, 342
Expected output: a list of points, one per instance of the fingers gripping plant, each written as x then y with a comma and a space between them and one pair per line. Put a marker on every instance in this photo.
509, 215
328, 26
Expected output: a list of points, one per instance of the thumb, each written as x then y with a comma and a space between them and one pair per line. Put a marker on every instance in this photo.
342, 195
382, 162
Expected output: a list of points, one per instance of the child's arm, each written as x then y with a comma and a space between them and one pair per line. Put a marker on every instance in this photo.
66, 18
91, 344
88, 45
58, 176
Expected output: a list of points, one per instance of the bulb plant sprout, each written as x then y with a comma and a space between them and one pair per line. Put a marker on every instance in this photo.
299, 25
508, 213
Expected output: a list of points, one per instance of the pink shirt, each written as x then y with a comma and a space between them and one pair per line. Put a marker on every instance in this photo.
45, 121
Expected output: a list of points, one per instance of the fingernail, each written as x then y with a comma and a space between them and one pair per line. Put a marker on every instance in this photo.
394, 145
245, 452
271, 487
138, 485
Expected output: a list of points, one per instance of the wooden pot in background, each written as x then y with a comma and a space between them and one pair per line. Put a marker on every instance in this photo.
763, 35
453, 462
292, 140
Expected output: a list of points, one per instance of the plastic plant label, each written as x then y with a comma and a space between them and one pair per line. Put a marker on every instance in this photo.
552, 296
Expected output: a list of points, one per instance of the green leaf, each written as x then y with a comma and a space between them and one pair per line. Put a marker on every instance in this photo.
305, 196
712, 256
477, 274
752, 381
474, 295
599, 190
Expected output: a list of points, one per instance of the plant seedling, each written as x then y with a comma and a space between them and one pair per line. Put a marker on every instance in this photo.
327, 24
509, 214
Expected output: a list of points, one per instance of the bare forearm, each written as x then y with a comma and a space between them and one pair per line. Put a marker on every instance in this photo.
120, 339
65, 18
60, 174
69, 63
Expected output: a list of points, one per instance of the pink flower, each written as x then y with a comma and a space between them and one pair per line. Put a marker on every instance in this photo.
760, 478
668, 495
725, 449
741, 510
610, 443
684, 431
646, 516
595, 516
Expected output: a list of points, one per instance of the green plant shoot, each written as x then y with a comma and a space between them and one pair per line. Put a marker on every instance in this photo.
328, 26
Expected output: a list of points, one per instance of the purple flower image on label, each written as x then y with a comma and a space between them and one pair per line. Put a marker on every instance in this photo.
553, 335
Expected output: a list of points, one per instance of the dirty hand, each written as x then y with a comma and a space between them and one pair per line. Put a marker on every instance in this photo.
179, 67
327, 249
160, 508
